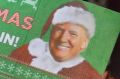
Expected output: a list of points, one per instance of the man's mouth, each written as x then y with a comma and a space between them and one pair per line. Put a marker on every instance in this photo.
63, 47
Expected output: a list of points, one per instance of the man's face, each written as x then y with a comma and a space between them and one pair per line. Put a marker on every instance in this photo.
67, 40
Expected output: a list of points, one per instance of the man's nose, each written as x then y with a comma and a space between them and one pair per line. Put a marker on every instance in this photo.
64, 37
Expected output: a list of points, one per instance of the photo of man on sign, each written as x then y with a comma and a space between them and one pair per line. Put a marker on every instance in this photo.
73, 26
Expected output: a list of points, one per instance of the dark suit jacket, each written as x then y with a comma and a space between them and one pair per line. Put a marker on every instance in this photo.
81, 71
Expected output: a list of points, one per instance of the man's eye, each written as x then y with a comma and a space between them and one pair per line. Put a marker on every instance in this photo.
58, 30
74, 35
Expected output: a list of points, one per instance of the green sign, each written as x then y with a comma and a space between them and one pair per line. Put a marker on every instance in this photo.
22, 21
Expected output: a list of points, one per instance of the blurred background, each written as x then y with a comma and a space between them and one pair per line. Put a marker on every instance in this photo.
111, 4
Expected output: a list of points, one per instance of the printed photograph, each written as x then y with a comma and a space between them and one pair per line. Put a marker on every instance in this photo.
73, 26
59, 39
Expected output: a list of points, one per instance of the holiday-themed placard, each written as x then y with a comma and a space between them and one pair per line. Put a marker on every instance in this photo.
55, 39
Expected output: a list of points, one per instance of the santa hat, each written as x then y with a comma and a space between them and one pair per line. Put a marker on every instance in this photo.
75, 15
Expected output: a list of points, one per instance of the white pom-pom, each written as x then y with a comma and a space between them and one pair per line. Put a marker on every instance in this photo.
37, 47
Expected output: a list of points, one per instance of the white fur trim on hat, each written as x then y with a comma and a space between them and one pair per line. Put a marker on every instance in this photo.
75, 15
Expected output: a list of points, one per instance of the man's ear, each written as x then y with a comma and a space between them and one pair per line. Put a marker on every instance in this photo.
84, 44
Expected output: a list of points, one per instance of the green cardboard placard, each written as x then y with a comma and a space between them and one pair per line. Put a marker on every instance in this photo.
22, 21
